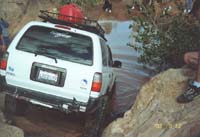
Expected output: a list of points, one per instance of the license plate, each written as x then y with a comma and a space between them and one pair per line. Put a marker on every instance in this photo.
48, 77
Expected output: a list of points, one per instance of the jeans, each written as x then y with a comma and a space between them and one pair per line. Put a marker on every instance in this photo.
6, 40
189, 4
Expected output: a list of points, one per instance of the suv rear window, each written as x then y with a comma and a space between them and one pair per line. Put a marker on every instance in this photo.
58, 44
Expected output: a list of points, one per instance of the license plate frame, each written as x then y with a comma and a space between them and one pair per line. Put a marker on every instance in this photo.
48, 76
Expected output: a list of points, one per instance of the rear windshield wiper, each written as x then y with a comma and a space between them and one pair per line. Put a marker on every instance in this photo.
46, 55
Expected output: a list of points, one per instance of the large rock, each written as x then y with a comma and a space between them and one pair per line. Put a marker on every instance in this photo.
156, 112
5, 129
10, 131
19, 12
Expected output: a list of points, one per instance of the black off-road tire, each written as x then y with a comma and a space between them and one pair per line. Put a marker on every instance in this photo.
113, 91
1, 84
14, 106
94, 122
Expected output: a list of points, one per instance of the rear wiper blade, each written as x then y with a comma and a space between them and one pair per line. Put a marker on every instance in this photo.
46, 55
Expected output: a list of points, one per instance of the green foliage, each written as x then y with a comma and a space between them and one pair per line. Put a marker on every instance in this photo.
64, 2
163, 41
93, 2
183, 37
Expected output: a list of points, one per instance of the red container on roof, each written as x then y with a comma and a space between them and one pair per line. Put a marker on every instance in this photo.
71, 13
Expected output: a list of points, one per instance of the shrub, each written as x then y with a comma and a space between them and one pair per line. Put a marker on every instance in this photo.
163, 41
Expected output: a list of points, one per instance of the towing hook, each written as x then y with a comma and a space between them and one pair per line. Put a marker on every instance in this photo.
74, 102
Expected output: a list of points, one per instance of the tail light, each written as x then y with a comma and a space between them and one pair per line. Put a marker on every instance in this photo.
3, 61
97, 82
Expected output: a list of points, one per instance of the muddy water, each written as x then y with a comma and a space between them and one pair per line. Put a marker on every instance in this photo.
40, 122
132, 75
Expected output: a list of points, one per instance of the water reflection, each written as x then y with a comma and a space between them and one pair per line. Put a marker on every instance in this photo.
132, 75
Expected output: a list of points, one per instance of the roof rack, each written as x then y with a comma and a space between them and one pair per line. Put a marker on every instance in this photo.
85, 24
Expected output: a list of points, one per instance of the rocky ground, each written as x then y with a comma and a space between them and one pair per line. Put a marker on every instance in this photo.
156, 112
7, 130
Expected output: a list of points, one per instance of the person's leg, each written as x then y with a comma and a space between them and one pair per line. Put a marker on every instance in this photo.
198, 69
110, 7
1, 45
194, 86
197, 79
7, 41
189, 5
191, 57
104, 7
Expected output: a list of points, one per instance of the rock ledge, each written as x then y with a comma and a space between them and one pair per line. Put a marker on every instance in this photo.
156, 112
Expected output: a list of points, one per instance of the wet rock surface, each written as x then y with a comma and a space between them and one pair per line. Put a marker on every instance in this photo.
156, 112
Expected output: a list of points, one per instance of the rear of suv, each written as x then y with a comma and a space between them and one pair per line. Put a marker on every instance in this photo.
60, 65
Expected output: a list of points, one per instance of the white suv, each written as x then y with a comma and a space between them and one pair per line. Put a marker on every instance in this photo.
58, 64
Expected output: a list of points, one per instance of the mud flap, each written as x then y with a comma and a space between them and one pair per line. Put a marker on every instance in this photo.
14, 106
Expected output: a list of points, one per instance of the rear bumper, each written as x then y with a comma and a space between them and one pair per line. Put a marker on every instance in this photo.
47, 100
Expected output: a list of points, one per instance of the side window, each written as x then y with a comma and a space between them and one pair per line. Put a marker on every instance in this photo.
104, 53
110, 61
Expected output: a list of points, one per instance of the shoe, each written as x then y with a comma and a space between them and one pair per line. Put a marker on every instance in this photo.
188, 11
188, 95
